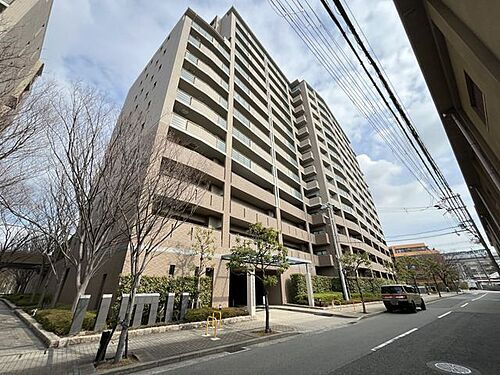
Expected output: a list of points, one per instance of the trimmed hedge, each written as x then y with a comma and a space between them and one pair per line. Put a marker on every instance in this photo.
166, 284
58, 321
324, 286
197, 315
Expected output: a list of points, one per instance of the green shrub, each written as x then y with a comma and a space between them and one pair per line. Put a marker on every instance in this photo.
198, 315
297, 290
326, 299
58, 321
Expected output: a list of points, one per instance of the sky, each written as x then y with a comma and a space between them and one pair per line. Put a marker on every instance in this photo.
108, 42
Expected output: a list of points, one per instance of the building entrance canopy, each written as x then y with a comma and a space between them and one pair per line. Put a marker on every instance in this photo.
292, 261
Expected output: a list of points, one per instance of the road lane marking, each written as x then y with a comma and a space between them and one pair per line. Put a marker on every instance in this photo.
393, 339
475, 299
465, 304
443, 315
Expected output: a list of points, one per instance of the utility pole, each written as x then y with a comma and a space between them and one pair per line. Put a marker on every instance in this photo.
328, 208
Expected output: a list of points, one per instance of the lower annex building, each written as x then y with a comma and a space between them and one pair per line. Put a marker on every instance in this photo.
272, 151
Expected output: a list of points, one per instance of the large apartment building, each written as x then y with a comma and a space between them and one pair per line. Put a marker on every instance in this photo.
271, 149
22, 30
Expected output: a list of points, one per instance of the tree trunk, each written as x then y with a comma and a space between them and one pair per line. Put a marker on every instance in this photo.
436, 284
361, 294
80, 291
125, 323
266, 303
198, 287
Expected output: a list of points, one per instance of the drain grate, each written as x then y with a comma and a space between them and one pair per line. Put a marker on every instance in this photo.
451, 368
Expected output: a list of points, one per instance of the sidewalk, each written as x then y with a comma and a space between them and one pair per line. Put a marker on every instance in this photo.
20, 339
77, 359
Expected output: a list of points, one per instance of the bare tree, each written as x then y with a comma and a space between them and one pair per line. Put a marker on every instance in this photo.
13, 239
204, 248
165, 188
82, 151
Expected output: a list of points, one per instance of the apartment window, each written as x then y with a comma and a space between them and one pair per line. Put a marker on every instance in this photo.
171, 270
476, 98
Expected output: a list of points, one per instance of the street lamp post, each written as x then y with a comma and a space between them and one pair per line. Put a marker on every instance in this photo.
328, 208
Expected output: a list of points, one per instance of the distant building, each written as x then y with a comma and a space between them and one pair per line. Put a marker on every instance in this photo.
411, 250
22, 31
457, 46
472, 265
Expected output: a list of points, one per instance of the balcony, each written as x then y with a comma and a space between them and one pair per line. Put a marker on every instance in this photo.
321, 238
303, 132
259, 152
204, 70
200, 112
293, 211
250, 165
210, 56
301, 121
246, 186
193, 85
315, 202
305, 145
251, 216
308, 157
299, 110
319, 219
325, 261
196, 131
309, 171
242, 119
291, 192
198, 161
312, 185
294, 232
211, 201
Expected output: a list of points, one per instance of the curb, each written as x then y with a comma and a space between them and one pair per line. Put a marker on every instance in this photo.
192, 355
312, 311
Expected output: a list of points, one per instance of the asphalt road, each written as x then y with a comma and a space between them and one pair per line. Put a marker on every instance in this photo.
463, 330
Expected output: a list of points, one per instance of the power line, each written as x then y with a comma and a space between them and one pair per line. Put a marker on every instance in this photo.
414, 234
369, 98
457, 232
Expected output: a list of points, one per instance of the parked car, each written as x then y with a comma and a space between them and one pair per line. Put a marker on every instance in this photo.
400, 296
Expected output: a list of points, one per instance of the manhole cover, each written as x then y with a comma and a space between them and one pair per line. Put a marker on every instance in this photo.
451, 368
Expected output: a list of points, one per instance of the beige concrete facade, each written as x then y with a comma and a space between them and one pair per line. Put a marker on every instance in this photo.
271, 150
23, 24
457, 45
412, 249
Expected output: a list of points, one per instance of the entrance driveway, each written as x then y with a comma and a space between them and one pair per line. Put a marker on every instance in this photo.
302, 322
